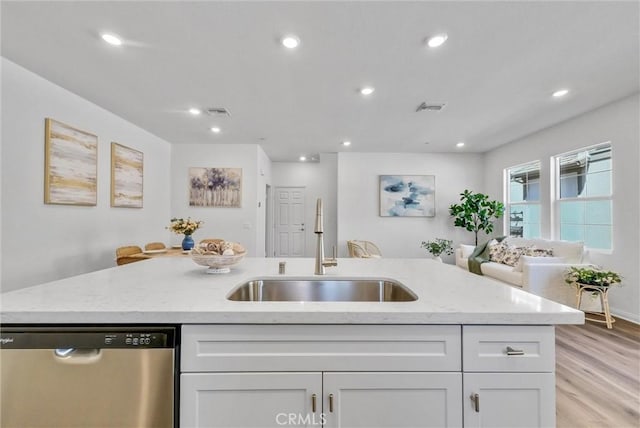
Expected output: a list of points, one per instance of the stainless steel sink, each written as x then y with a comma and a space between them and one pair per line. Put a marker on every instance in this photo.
322, 290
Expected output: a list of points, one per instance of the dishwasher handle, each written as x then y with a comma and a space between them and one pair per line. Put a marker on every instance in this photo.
77, 356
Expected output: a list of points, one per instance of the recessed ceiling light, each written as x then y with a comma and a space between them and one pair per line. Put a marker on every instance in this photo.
346, 143
195, 111
215, 129
437, 40
460, 144
290, 42
560, 93
111, 39
303, 158
367, 90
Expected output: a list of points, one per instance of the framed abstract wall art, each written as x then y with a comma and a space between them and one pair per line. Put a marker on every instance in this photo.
70, 165
407, 195
215, 187
126, 176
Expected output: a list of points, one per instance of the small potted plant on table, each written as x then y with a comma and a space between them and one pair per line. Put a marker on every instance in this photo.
596, 281
437, 247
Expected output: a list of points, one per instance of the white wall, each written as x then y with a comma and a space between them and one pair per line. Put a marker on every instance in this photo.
320, 181
264, 179
618, 123
358, 199
233, 224
49, 242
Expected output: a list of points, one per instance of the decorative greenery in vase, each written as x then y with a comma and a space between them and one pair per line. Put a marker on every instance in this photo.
591, 276
184, 227
476, 212
438, 246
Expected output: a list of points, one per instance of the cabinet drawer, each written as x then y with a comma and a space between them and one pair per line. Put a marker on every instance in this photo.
254, 348
508, 348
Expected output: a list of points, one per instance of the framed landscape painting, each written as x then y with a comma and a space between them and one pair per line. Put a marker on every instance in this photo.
215, 187
407, 195
70, 165
126, 177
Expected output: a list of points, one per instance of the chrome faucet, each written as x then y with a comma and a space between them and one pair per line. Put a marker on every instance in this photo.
321, 262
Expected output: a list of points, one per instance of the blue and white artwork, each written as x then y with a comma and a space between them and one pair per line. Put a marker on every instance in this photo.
407, 195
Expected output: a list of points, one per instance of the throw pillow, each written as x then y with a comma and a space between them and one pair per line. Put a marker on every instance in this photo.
497, 251
512, 255
539, 252
532, 253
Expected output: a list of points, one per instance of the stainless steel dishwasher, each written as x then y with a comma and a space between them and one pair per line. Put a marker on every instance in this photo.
87, 377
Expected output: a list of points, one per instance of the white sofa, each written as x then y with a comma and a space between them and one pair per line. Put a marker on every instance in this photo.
542, 276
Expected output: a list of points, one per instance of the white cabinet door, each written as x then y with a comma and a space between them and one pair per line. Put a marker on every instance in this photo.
392, 399
510, 400
247, 400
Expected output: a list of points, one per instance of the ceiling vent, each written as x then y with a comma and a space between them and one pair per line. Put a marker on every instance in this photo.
429, 107
218, 111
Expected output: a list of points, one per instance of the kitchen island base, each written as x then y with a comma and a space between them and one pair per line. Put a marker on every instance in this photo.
367, 375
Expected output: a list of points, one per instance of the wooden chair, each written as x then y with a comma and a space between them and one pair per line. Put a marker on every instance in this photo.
363, 249
154, 246
123, 255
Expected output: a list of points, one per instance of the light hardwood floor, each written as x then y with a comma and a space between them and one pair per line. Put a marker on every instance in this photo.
598, 375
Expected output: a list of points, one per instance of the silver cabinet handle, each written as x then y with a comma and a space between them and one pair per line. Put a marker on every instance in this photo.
313, 403
330, 402
476, 402
511, 351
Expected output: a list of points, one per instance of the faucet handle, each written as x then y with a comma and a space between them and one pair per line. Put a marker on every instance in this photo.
333, 261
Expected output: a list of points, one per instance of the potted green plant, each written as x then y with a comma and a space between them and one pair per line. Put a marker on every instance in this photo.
591, 275
476, 212
437, 247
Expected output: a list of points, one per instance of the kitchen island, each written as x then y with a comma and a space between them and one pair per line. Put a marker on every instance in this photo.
466, 340
176, 290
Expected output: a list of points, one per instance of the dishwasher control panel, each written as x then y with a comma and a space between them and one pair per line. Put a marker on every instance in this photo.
87, 339
135, 340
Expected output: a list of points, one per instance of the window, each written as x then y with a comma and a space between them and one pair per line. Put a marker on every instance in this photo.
584, 196
523, 200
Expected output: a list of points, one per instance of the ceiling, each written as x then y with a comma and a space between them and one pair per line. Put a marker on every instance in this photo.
495, 74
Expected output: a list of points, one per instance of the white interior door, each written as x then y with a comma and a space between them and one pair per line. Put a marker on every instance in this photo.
289, 216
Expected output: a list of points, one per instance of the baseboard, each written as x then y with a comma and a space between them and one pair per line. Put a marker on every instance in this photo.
634, 318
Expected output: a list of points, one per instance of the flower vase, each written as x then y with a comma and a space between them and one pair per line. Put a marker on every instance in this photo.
438, 259
187, 243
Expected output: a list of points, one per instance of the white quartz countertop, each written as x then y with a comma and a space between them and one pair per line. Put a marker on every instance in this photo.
175, 290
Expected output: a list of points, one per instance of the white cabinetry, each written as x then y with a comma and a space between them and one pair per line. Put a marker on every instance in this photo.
392, 400
244, 400
367, 376
511, 400
508, 376
349, 399
357, 376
